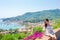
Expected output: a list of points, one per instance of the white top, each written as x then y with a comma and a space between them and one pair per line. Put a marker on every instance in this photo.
48, 30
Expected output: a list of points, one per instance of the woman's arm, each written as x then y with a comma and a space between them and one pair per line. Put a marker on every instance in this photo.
43, 29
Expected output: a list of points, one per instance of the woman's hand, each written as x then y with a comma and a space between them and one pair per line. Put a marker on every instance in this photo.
53, 36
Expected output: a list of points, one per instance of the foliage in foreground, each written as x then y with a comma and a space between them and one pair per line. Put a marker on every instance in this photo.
37, 28
56, 24
14, 36
37, 33
18, 36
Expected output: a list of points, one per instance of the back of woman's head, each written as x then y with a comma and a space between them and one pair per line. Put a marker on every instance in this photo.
46, 22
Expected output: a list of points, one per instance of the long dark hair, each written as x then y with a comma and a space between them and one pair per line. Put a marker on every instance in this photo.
45, 23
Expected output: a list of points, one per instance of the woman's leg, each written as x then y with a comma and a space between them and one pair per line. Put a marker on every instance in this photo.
53, 37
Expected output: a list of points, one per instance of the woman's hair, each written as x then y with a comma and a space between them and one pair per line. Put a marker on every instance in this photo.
47, 21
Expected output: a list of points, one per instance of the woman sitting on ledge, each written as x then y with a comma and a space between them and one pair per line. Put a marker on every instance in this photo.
48, 30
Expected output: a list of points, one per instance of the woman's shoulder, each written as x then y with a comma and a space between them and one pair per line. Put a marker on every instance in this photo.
50, 24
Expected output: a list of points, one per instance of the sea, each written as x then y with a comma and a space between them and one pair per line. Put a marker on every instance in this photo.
6, 26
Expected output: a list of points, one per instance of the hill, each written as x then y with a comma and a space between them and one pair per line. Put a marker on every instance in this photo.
36, 16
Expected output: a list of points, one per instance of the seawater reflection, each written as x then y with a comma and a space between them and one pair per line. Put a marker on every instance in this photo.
6, 26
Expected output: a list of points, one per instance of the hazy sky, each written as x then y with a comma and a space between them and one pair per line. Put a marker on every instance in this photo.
9, 8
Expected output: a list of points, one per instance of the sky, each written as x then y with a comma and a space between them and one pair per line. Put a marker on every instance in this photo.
12, 8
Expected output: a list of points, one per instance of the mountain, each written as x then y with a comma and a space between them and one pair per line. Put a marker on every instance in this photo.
36, 16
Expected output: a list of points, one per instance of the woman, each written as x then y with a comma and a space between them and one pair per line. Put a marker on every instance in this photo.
48, 30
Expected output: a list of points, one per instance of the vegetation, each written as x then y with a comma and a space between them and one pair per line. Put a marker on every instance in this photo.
14, 36
37, 33
56, 24
35, 17
18, 36
9, 37
37, 28
32, 17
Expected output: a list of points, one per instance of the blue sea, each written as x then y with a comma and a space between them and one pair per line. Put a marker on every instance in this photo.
6, 26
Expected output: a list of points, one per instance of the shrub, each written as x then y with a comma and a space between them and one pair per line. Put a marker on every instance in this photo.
37, 28
8, 37
56, 25
1, 35
22, 35
28, 33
